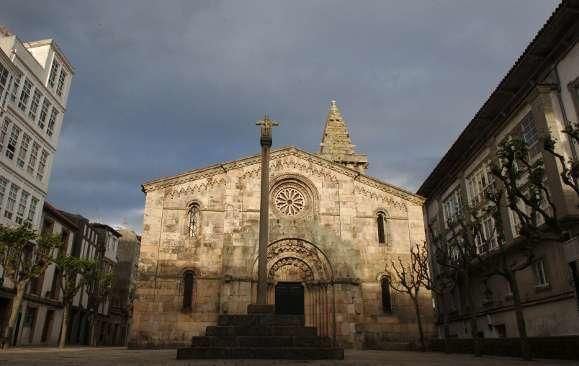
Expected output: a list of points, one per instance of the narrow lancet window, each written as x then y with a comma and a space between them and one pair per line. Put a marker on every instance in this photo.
188, 284
194, 220
386, 299
381, 223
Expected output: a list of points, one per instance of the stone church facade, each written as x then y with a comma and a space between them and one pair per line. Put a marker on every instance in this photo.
333, 232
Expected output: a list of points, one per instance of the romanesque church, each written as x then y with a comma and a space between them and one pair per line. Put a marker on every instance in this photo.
333, 232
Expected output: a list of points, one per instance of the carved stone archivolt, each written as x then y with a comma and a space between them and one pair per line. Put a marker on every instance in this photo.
291, 269
300, 257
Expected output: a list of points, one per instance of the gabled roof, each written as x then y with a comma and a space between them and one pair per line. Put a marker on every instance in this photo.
555, 38
276, 153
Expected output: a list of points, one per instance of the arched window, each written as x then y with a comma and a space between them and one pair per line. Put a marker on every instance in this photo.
188, 284
386, 299
381, 226
194, 220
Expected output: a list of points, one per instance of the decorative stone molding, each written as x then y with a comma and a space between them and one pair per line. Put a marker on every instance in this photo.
392, 205
300, 160
194, 188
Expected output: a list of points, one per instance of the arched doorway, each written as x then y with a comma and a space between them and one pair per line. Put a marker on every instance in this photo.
296, 265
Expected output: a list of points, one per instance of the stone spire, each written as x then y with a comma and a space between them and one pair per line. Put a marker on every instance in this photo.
336, 143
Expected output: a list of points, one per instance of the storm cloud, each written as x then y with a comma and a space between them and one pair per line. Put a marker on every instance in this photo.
163, 87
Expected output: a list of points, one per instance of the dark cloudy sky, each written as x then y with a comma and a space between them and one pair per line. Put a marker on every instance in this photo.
167, 86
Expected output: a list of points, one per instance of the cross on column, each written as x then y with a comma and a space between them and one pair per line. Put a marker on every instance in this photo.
266, 124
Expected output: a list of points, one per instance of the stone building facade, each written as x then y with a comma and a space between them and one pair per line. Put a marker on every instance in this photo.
333, 232
536, 97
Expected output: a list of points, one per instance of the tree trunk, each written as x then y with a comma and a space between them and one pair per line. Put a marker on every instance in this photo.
446, 327
521, 326
473, 317
64, 327
419, 322
14, 310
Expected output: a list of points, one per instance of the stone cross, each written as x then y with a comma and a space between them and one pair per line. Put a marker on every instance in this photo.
266, 124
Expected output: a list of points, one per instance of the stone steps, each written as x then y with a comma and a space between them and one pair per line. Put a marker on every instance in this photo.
260, 319
260, 331
261, 334
252, 341
286, 353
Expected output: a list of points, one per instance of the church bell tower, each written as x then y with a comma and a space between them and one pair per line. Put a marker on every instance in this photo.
336, 144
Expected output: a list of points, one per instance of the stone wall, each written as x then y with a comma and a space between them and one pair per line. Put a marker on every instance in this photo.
329, 243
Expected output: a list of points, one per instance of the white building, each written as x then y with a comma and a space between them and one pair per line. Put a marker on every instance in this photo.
35, 80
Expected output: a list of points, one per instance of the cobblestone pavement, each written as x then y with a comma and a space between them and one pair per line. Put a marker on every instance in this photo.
122, 356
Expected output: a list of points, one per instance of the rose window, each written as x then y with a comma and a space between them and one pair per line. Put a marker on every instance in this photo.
289, 201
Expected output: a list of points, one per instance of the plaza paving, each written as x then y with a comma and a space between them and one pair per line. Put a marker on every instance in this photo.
122, 356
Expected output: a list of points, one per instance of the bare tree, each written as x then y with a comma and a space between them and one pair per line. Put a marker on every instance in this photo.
406, 278
441, 282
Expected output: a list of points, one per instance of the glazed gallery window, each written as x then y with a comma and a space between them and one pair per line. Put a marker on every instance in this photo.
529, 130
43, 113
25, 95
53, 72
188, 286
12, 141
34, 105
3, 80
452, 206
477, 183
194, 220
381, 227
386, 298
61, 80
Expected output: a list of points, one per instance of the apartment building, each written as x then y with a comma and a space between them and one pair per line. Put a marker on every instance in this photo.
539, 95
35, 79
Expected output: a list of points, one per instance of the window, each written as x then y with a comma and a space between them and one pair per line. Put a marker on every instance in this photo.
43, 113
15, 88
3, 185
11, 200
34, 104
53, 72
3, 80
386, 298
51, 122
477, 183
529, 130
33, 157
25, 95
540, 274
381, 227
188, 284
194, 218
61, 80
22, 206
32, 209
42, 165
23, 150
486, 238
452, 206
12, 141
3, 133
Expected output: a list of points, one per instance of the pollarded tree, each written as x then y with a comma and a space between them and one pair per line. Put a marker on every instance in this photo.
441, 282
524, 191
406, 278
456, 250
74, 274
24, 255
569, 167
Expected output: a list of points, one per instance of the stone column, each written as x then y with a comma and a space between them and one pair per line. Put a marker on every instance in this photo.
266, 141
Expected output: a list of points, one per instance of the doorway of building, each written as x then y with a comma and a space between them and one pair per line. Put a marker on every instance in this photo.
289, 298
